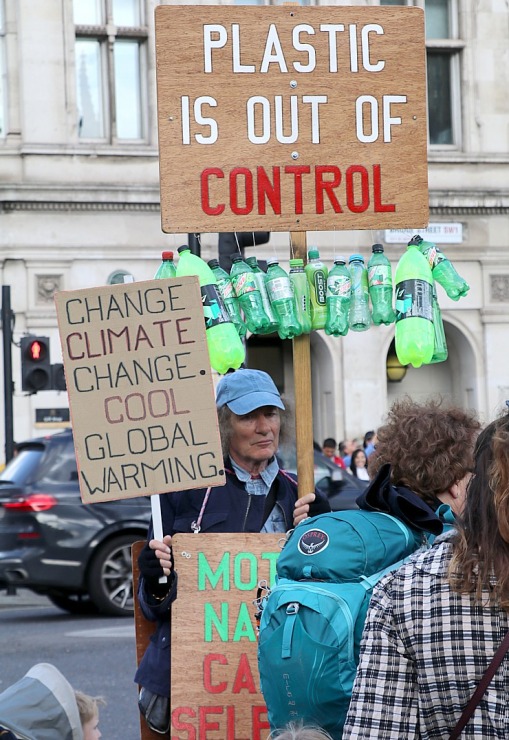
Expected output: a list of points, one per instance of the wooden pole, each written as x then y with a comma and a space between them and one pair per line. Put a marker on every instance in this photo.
302, 384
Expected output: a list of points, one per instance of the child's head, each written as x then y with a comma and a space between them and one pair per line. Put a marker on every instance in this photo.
88, 707
301, 732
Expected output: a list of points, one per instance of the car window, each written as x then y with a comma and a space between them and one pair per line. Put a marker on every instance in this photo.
59, 463
21, 469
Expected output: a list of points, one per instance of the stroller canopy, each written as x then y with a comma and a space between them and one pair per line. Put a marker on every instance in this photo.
41, 706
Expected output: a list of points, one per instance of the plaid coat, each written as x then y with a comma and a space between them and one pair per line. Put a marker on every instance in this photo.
423, 652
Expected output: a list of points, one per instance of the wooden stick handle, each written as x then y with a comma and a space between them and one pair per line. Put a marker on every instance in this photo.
303, 399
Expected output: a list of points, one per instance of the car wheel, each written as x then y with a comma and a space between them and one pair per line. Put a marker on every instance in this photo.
73, 603
110, 582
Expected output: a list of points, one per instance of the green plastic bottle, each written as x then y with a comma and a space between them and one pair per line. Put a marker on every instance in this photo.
380, 287
226, 350
414, 331
300, 287
442, 269
359, 315
249, 296
440, 352
339, 286
316, 273
167, 268
261, 283
225, 287
282, 300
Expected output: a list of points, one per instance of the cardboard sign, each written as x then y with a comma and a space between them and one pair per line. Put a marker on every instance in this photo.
215, 686
291, 118
140, 388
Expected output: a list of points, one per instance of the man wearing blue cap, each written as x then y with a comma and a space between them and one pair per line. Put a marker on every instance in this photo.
257, 497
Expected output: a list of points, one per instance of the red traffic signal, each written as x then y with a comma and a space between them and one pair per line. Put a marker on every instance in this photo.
35, 364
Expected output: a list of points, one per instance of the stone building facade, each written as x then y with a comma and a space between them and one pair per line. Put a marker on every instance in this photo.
79, 198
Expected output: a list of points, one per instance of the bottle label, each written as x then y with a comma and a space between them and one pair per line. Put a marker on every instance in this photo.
279, 289
339, 285
379, 275
432, 254
243, 283
213, 307
320, 286
414, 298
226, 289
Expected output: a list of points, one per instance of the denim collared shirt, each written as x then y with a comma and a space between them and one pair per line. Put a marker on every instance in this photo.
260, 486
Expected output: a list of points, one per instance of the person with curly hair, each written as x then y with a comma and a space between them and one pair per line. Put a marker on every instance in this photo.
434, 625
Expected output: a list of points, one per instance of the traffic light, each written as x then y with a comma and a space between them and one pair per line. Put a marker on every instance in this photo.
35, 364
58, 377
231, 241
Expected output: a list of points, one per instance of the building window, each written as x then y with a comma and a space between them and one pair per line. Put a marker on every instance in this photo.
3, 72
443, 49
111, 41
119, 276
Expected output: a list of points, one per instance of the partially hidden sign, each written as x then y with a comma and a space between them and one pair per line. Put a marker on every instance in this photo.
215, 686
291, 118
140, 388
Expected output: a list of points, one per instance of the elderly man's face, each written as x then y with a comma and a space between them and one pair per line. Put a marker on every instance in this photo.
255, 437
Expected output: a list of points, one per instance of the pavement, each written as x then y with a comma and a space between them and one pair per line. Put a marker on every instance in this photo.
21, 597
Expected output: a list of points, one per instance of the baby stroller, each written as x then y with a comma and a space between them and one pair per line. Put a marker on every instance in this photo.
40, 706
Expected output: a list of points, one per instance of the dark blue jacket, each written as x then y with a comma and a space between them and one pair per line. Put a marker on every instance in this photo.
229, 509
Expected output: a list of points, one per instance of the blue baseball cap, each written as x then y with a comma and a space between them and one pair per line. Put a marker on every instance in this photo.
245, 390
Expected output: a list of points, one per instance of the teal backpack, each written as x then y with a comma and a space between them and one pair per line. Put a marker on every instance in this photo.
312, 619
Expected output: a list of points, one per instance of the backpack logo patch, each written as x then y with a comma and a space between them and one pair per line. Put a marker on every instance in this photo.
313, 541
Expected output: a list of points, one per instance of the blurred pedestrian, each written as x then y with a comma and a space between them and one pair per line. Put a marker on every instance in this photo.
369, 442
358, 464
434, 626
329, 450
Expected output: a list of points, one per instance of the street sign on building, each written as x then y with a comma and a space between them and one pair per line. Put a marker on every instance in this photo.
291, 118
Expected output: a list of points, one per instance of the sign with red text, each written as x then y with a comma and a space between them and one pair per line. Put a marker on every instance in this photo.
140, 388
215, 686
291, 118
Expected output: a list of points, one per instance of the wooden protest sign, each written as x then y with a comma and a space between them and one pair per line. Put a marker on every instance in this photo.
215, 684
291, 118
140, 388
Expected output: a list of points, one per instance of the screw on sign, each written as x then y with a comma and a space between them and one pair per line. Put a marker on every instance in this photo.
35, 364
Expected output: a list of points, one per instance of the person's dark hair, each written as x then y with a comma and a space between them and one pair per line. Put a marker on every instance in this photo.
329, 442
481, 545
355, 455
429, 446
224, 416
368, 437
341, 448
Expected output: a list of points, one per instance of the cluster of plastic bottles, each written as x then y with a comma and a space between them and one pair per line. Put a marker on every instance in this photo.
348, 297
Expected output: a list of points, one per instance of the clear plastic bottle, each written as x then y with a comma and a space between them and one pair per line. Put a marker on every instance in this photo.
225, 287
414, 331
300, 287
359, 316
442, 269
282, 300
316, 273
226, 350
167, 268
339, 287
261, 283
380, 287
249, 296
440, 352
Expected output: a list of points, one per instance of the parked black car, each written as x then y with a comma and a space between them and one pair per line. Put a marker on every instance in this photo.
50, 542
79, 555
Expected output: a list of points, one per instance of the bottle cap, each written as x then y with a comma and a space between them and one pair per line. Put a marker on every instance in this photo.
313, 254
377, 248
356, 258
272, 261
213, 263
184, 248
339, 258
252, 261
167, 255
236, 257
297, 262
